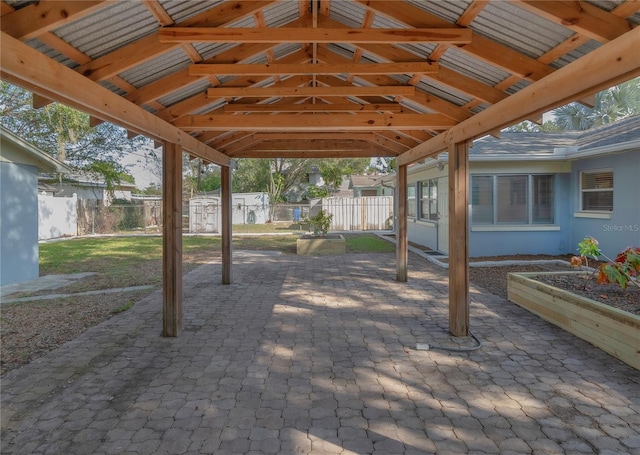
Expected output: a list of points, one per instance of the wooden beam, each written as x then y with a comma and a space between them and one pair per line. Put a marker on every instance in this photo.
157, 10
480, 47
172, 240
402, 240
40, 101
320, 154
581, 17
606, 65
41, 17
268, 92
270, 69
312, 136
30, 69
149, 47
313, 122
349, 107
314, 145
227, 230
424, 99
314, 35
459, 239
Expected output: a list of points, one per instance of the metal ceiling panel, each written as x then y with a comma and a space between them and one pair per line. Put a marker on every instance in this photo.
342, 49
110, 28
283, 50
157, 68
281, 14
186, 92
448, 10
51, 53
381, 21
468, 65
181, 10
576, 53
113, 88
444, 92
518, 29
348, 13
208, 50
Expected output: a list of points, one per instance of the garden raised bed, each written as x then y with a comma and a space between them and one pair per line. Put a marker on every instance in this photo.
615, 331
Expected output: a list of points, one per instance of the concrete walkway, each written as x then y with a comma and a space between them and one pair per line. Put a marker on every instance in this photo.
318, 355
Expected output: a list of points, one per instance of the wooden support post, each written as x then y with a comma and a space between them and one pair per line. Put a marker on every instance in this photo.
172, 240
227, 245
402, 244
459, 239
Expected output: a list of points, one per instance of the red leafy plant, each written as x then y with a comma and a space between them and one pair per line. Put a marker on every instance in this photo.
623, 270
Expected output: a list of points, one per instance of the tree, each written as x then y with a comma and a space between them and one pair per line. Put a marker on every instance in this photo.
334, 170
65, 133
200, 177
530, 127
613, 104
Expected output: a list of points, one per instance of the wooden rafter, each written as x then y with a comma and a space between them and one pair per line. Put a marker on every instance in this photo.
313, 35
269, 92
27, 67
313, 68
313, 122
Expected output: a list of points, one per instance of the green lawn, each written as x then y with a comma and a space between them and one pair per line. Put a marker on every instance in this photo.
137, 260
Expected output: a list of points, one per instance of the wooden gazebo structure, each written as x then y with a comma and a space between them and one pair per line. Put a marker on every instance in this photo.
222, 79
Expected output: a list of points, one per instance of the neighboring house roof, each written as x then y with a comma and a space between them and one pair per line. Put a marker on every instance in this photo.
364, 180
24, 152
80, 178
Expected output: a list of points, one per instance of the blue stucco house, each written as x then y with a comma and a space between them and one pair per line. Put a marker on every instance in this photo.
537, 193
20, 163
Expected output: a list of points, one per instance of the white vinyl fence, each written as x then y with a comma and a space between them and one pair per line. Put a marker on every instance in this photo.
57, 216
370, 213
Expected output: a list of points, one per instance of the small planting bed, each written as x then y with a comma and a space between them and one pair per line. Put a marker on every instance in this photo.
320, 245
615, 331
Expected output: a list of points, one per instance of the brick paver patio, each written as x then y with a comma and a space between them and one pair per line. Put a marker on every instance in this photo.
317, 355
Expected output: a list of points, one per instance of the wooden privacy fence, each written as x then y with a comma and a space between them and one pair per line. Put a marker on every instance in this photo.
370, 213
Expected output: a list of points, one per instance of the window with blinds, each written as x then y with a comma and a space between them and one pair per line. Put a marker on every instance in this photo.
596, 191
512, 199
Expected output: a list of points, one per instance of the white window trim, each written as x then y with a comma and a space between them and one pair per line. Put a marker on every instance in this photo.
604, 215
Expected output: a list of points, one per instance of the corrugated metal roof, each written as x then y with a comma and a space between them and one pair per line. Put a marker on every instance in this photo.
444, 92
108, 29
449, 10
281, 14
121, 23
51, 53
179, 10
208, 50
519, 29
18, 4
185, 92
351, 14
468, 65
576, 53
157, 68
283, 50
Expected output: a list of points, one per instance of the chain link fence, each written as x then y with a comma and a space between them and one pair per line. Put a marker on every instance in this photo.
94, 218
